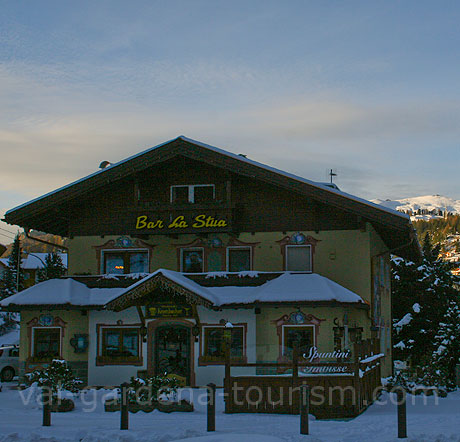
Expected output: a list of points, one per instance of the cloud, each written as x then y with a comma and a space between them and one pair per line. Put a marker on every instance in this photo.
60, 121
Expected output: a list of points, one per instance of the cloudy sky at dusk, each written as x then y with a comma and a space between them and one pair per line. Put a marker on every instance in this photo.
369, 88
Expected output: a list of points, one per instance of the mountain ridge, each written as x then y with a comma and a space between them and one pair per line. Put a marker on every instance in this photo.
423, 207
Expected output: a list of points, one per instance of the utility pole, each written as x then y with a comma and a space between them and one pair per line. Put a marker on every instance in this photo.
18, 265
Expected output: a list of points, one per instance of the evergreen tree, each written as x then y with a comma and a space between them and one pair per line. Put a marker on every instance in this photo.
12, 282
13, 276
446, 353
421, 297
54, 268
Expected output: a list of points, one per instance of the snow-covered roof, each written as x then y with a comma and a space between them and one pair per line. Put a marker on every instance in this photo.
35, 260
62, 292
287, 287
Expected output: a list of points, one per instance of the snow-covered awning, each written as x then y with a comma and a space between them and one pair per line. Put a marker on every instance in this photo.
264, 288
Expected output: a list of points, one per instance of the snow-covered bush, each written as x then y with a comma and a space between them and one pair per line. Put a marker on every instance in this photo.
152, 389
58, 377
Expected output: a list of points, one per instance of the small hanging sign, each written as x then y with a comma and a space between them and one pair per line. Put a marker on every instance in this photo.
168, 310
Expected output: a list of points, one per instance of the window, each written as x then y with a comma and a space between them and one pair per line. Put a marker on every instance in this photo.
197, 194
300, 336
216, 340
298, 258
46, 343
119, 345
238, 259
121, 262
192, 260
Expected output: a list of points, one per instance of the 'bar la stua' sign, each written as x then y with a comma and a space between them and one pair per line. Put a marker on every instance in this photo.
180, 223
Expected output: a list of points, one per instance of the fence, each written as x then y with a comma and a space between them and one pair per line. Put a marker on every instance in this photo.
338, 389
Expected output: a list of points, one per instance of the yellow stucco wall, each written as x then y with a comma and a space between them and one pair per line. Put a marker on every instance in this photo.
343, 256
75, 323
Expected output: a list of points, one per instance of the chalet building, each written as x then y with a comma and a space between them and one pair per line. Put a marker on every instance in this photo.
31, 264
186, 253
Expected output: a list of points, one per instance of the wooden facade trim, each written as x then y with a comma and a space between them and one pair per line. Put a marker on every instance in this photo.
57, 206
136, 295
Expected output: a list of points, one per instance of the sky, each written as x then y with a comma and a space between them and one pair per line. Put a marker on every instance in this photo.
369, 88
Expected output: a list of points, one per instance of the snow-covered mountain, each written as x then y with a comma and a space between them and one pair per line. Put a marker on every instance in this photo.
423, 207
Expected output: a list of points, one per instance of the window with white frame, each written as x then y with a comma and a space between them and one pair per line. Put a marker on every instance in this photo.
298, 258
195, 193
46, 343
238, 259
192, 260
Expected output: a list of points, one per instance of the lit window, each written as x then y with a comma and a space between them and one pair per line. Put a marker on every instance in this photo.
196, 193
122, 262
238, 259
298, 258
46, 343
301, 337
216, 341
192, 261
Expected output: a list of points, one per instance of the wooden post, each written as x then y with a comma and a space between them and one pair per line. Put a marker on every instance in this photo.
402, 418
228, 384
211, 407
304, 407
46, 398
124, 422
295, 362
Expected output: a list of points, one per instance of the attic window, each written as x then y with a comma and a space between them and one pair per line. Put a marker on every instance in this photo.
195, 194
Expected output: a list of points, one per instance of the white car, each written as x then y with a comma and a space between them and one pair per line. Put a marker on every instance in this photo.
9, 362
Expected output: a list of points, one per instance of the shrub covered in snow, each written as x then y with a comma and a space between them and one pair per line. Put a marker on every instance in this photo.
58, 377
152, 389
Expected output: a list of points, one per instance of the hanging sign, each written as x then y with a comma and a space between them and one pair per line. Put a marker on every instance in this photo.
143, 222
168, 310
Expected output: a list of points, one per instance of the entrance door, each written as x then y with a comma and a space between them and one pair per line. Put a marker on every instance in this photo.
172, 351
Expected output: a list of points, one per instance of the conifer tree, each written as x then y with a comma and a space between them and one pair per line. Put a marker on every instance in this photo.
54, 268
440, 370
13, 276
421, 297
12, 282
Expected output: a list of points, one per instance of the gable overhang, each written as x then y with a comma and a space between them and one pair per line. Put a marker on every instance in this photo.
138, 295
45, 213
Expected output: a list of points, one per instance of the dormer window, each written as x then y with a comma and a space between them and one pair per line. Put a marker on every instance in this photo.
195, 194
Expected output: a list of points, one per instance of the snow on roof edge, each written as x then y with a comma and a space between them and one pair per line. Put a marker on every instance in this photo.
229, 154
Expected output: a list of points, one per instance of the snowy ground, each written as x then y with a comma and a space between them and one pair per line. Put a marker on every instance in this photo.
429, 422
